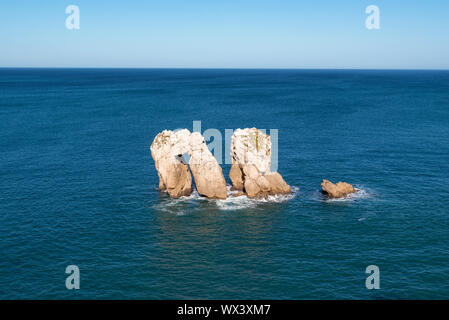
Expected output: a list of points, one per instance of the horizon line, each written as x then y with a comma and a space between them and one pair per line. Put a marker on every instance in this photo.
232, 68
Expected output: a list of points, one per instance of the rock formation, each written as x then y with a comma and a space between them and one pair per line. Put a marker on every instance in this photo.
339, 190
251, 161
250, 171
209, 179
167, 151
251, 146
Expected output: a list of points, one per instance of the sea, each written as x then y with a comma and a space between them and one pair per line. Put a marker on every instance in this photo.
78, 185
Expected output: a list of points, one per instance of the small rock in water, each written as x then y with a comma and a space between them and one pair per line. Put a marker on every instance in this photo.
338, 190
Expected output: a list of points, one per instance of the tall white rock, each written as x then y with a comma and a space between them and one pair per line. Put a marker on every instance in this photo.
251, 146
167, 151
251, 161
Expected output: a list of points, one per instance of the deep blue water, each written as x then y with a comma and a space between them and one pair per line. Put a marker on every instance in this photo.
78, 185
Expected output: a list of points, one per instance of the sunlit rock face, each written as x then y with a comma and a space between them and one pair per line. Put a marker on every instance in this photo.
236, 176
338, 190
251, 146
167, 151
277, 184
250, 172
251, 161
208, 175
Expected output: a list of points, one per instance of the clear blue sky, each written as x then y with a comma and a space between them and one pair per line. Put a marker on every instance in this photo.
225, 34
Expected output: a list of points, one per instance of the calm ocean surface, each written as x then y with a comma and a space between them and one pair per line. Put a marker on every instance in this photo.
78, 185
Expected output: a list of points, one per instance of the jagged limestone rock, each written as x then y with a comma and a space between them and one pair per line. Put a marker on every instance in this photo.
250, 172
251, 160
251, 146
167, 151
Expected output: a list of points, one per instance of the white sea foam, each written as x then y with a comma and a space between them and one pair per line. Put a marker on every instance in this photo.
361, 193
232, 202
